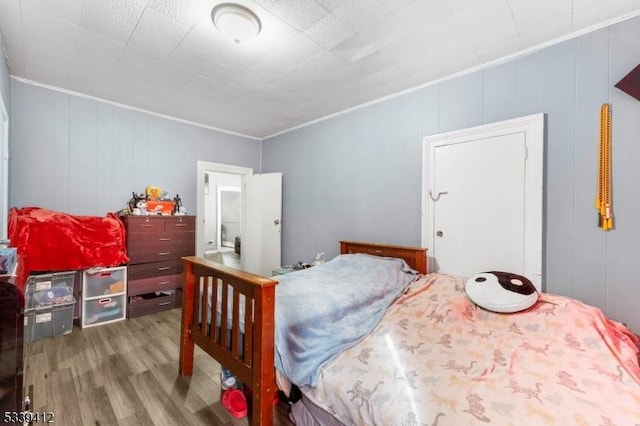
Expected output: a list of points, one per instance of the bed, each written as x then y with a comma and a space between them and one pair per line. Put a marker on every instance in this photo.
434, 357
249, 351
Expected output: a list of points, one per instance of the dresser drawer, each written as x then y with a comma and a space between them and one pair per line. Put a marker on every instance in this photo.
180, 224
160, 242
154, 269
144, 224
161, 254
141, 307
153, 284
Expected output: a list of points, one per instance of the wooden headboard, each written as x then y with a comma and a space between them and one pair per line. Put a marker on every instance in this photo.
416, 257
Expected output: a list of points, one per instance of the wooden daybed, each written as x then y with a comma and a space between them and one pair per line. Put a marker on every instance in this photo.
250, 356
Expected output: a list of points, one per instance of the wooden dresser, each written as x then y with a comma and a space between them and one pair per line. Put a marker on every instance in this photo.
156, 245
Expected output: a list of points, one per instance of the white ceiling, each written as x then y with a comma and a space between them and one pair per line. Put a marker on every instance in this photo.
312, 58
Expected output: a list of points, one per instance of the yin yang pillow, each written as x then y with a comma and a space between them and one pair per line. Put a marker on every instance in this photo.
502, 292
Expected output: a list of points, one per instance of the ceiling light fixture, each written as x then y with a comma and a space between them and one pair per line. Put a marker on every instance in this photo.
236, 21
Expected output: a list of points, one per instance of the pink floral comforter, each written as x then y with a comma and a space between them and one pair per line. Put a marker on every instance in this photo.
436, 358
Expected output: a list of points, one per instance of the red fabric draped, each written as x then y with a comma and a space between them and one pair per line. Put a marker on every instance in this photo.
48, 240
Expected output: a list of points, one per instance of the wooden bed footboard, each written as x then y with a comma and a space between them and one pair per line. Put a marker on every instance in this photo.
246, 346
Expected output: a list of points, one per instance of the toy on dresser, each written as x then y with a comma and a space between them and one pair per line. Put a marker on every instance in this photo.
177, 206
154, 202
137, 204
141, 208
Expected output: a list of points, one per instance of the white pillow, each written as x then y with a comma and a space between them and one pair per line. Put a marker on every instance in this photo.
502, 292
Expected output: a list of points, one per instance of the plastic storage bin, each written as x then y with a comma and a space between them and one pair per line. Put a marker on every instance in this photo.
50, 289
104, 295
8, 260
104, 310
51, 321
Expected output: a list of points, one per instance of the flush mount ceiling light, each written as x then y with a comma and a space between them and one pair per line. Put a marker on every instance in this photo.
236, 21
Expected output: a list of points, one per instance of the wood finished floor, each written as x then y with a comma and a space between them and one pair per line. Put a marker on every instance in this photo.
226, 256
126, 373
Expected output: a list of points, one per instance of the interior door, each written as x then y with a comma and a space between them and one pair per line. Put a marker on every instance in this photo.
483, 193
262, 223
478, 218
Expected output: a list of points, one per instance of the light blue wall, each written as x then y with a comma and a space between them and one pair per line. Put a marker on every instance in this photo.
85, 156
5, 95
5, 82
358, 175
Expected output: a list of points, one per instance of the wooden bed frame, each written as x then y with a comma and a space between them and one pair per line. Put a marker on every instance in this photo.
250, 356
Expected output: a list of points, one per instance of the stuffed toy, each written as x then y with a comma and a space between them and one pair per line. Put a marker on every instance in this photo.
502, 292
142, 206
133, 202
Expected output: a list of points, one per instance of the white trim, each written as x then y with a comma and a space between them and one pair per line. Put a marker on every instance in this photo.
129, 107
204, 167
4, 169
533, 127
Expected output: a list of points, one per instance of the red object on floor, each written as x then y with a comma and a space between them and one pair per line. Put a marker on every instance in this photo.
235, 402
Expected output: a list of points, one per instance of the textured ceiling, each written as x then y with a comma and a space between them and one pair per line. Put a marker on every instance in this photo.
313, 58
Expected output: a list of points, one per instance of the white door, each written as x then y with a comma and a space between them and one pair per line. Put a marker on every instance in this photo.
478, 218
484, 199
262, 222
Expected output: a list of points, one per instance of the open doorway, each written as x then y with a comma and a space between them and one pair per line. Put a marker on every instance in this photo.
219, 224
223, 218
229, 215
259, 244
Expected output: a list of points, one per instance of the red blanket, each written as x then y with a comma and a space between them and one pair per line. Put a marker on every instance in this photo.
48, 240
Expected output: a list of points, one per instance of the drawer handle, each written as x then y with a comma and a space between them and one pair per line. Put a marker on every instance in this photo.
148, 225
164, 283
181, 224
164, 253
164, 268
165, 239
164, 303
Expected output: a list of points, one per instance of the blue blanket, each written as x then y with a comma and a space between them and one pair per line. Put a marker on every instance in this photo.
322, 311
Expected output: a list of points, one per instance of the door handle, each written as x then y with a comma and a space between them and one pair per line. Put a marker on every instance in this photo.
437, 197
276, 222
439, 233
